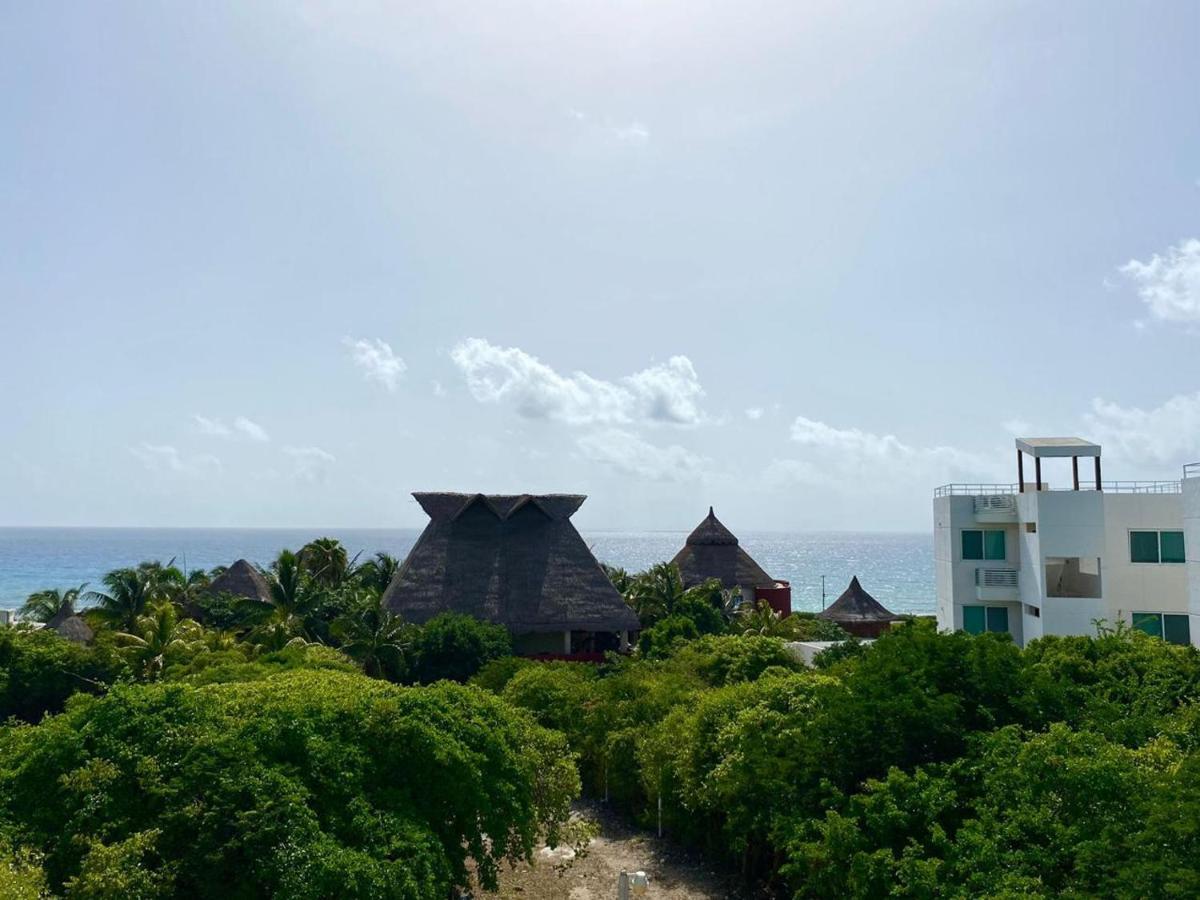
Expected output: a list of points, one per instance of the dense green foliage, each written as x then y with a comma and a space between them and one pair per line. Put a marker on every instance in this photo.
927, 765
306, 784
233, 747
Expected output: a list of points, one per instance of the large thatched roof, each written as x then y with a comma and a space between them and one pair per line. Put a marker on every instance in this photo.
512, 559
712, 551
242, 580
857, 606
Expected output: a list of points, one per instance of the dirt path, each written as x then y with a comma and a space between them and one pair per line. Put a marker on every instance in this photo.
674, 874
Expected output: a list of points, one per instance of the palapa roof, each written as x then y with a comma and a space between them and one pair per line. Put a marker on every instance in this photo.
712, 551
71, 626
512, 559
856, 605
242, 580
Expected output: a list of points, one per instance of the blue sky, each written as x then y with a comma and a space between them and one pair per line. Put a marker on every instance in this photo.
283, 263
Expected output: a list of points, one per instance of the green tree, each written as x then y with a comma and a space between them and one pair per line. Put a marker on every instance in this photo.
307, 784
45, 605
374, 638
455, 647
325, 561
377, 572
159, 635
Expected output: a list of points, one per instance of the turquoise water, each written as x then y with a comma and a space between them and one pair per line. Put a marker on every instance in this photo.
896, 568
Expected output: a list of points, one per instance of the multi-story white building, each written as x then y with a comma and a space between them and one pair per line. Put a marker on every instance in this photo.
1052, 556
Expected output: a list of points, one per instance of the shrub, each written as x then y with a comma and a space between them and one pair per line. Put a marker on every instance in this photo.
455, 647
304, 784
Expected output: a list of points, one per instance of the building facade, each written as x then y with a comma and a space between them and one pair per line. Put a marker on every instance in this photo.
1057, 554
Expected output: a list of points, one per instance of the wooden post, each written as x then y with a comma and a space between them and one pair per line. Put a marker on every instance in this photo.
567, 643
1098, 481
1020, 471
1075, 470
1037, 472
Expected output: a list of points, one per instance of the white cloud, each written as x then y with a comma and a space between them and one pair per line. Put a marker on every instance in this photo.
857, 460
1017, 427
252, 430
630, 455
668, 393
631, 133
1169, 285
165, 458
1167, 434
309, 463
241, 426
377, 361
754, 413
212, 427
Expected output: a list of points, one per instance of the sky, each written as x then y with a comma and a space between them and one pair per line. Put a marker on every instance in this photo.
281, 264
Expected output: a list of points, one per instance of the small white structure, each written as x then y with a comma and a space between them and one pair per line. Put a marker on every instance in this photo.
1033, 558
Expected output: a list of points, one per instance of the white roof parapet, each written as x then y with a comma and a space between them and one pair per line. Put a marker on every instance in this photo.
1057, 446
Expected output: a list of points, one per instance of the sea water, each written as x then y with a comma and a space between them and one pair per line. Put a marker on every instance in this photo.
896, 568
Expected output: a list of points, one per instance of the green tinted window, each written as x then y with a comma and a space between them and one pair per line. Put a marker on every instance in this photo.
1176, 630
1171, 543
993, 545
972, 545
1151, 623
997, 618
1143, 546
973, 619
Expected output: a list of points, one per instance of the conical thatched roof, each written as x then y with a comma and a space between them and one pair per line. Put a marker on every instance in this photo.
712, 551
71, 626
512, 559
857, 606
242, 580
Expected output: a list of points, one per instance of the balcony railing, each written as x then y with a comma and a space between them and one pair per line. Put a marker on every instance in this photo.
1108, 487
995, 503
995, 578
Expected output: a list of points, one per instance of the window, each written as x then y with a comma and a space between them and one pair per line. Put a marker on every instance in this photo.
1156, 546
1031, 527
978, 619
1173, 628
1170, 546
987, 544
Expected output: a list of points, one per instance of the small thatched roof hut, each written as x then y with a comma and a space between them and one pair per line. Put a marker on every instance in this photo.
512, 559
712, 551
859, 613
242, 580
71, 626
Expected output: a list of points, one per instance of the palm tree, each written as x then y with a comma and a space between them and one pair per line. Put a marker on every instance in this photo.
157, 634
761, 619
325, 561
126, 595
277, 633
45, 605
656, 592
373, 637
377, 572
292, 601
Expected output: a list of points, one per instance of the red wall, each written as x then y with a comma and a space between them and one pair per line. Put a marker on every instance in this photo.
779, 597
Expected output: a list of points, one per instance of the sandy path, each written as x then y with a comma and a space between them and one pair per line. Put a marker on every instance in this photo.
674, 874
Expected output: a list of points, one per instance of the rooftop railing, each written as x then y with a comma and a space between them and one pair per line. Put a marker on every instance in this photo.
1108, 487
1192, 470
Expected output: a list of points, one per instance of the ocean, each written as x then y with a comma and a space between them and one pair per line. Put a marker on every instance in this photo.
896, 568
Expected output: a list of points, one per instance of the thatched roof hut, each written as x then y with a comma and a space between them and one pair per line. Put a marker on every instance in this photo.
712, 551
512, 559
71, 626
241, 580
859, 613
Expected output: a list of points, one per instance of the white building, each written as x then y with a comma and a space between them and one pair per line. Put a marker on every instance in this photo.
1053, 557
